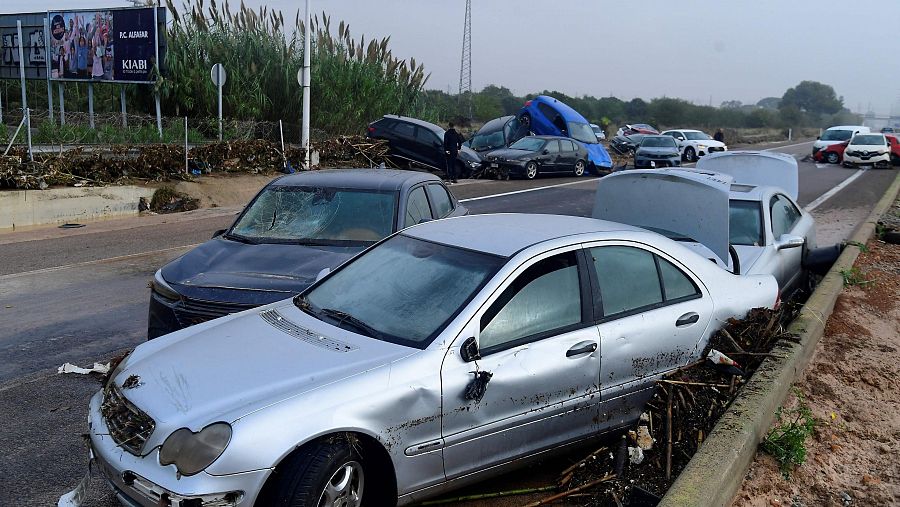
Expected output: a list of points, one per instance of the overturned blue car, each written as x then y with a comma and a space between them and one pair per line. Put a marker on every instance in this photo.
546, 116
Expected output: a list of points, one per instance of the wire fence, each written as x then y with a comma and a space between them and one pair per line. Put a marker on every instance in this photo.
116, 128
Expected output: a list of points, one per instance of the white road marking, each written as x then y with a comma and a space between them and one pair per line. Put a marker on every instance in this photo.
470, 199
95, 261
827, 195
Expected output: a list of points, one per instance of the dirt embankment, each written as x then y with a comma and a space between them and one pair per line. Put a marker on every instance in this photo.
853, 390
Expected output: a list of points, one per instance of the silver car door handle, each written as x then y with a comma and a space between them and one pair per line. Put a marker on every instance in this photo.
582, 349
687, 319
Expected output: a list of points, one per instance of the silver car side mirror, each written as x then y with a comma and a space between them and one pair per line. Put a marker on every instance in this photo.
322, 273
789, 241
469, 350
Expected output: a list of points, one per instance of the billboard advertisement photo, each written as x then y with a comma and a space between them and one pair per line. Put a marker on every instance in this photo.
104, 45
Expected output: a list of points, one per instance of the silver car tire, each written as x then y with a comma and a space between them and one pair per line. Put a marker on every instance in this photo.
689, 154
579, 168
832, 157
326, 473
531, 170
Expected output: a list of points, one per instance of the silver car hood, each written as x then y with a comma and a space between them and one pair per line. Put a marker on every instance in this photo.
230, 367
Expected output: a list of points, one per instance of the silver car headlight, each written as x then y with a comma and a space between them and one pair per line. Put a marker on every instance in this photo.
701, 146
162, 288
192, 452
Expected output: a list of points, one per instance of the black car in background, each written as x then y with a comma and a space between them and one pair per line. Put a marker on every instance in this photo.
626, 144
535, 155
418, 142
497, 133
296, 227
657, 151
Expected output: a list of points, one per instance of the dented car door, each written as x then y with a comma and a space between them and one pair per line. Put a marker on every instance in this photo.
539, 346
653, 314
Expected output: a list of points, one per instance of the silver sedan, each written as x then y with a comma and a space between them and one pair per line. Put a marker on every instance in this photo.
447, 353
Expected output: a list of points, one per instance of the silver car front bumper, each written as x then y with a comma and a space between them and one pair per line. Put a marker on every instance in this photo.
143, 482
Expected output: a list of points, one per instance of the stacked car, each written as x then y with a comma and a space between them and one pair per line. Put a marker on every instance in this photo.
418, 143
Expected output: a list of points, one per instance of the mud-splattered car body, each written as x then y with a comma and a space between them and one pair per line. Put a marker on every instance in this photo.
565, 321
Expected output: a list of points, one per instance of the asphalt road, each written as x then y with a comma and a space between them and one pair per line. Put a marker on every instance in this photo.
80, 296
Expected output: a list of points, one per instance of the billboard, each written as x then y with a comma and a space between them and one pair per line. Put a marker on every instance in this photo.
35, 48
118, 45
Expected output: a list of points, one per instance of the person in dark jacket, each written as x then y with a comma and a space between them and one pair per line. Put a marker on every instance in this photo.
719, 136
453, 141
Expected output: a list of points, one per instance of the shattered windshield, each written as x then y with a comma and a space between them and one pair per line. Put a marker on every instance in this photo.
582, 132
316, 215
404, 291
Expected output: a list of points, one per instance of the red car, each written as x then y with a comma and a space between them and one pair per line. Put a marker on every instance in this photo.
834, 154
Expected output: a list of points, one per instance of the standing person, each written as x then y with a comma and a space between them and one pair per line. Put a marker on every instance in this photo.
99, 53
719, 136
452, 143
81, 57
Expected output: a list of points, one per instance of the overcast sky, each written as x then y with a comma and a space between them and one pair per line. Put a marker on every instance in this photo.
702, 51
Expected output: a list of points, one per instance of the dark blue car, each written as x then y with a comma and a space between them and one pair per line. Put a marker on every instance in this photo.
295, 227
546, 116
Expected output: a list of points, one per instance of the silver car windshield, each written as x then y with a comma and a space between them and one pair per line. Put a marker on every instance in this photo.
404, 290
316, 215
745, 223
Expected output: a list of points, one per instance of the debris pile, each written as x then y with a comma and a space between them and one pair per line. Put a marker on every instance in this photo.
640, 467
115, 164
168, 200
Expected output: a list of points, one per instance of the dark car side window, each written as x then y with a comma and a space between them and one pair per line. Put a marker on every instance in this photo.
440, 199
404, 129
784, 215
426, 136
568, 146
632, 280
417, 207
552, 147
542, 301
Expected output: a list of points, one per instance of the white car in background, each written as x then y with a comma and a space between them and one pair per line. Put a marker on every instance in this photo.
601, 135
738, 209
695, 143
868, 149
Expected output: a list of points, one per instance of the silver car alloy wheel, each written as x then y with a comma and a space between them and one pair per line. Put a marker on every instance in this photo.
345, 487
579, 168
833, 157
530, 170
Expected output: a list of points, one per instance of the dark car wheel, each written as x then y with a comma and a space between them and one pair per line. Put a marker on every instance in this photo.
525, 119
689, 154
531, 170
579, 168
328, 473
832, 157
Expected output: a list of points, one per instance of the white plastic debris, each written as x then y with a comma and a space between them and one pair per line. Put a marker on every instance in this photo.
719, 358
71, 368
645, 417
635, 455
644, 440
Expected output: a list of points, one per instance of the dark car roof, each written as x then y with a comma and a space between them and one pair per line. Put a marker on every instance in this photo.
495, 124
415, 121
366, 179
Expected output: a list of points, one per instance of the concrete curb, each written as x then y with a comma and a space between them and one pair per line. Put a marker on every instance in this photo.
715, 473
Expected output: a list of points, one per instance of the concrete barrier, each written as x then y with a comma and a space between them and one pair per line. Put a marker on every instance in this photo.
715, 473
20, 208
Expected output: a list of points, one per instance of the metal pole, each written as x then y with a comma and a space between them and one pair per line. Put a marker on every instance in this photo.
219, 80
1, 107
281, 134
790, 134
156, 49
22, 67
158, 114
122, 101
62, 104
186, 171
91, 104
305, 129
47, 58
28, 123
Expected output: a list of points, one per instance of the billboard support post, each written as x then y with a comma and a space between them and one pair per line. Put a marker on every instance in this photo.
158, 114
186, 171
22, 68
28, 132
62, 104
305, 129
281, 134
122, 101
91, 105
47, 61
1, 107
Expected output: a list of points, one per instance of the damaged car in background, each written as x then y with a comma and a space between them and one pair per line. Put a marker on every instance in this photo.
449, 352
297, 226
417, 143
738, 209
534, 155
